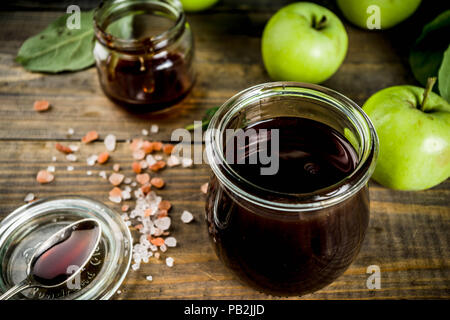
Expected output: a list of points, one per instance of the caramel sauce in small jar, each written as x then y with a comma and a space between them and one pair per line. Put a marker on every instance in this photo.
144, 53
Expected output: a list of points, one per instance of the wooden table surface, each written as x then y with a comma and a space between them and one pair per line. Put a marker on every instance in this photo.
408, 235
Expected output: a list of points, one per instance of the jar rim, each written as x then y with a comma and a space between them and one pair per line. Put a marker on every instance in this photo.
304, 202
145, 44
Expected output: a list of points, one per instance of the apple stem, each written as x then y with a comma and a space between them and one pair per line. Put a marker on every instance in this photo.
319, 25
430, 83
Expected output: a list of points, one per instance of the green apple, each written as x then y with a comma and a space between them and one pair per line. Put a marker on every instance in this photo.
414, 134
197, 5
303, 42
391, 12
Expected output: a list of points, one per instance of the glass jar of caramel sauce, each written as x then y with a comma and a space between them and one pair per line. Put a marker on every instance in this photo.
144, 53
288, 202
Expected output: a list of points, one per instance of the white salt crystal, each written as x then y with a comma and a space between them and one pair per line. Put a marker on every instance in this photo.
169, 262
71, 157
163, 248
186, 216
149, 278
133, 184
170, 242
186, 162
110, 142
150, 160
89, 173
69, 168
126, 195
74, 147
154, 128
54, 159
91, 160
119, 292
135, 266
103, 175
163, 223
70, 131
158, 157
143, 164
29, 197
173, 161
115, 199
127, 180
51, 169
144, 132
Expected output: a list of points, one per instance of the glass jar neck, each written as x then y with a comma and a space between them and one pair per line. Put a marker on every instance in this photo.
298, 100
111, 11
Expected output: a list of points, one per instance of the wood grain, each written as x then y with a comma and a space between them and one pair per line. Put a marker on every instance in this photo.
408, 235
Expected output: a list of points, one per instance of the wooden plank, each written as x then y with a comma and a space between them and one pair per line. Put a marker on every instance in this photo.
407, 236
79, 103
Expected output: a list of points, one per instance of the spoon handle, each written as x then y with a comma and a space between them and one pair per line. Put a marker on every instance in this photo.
25, 284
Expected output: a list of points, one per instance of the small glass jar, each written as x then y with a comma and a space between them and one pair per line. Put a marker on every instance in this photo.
285, 243
23, 230
144, 52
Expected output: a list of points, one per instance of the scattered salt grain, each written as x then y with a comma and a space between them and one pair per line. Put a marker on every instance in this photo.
163, 248
103, 175
119, 292
29, 197
186, 162
116, 179
70, 168
116, 167
51, 169
89, 173
71, 157
143, 164
127, 180
173, 161
139, 154
170, 242
115, 199
70, 131
149, 278
204, 188
133, 184
169, 262
53, 159
135, 266
150, 160
158, 157
74, 147
126, 195
144, 132
154, 128
110, 142
91, 160
186, 216
163, 223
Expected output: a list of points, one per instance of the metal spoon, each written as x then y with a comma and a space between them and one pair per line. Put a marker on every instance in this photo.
32, 281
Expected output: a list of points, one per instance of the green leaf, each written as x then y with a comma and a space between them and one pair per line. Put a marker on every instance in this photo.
444, 76
206, 119
57, 48
426, 55
122, 28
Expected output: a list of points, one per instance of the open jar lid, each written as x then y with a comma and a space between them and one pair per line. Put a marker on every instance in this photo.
23, 230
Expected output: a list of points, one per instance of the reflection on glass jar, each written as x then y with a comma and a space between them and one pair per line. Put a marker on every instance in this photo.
144, 53
295, 230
